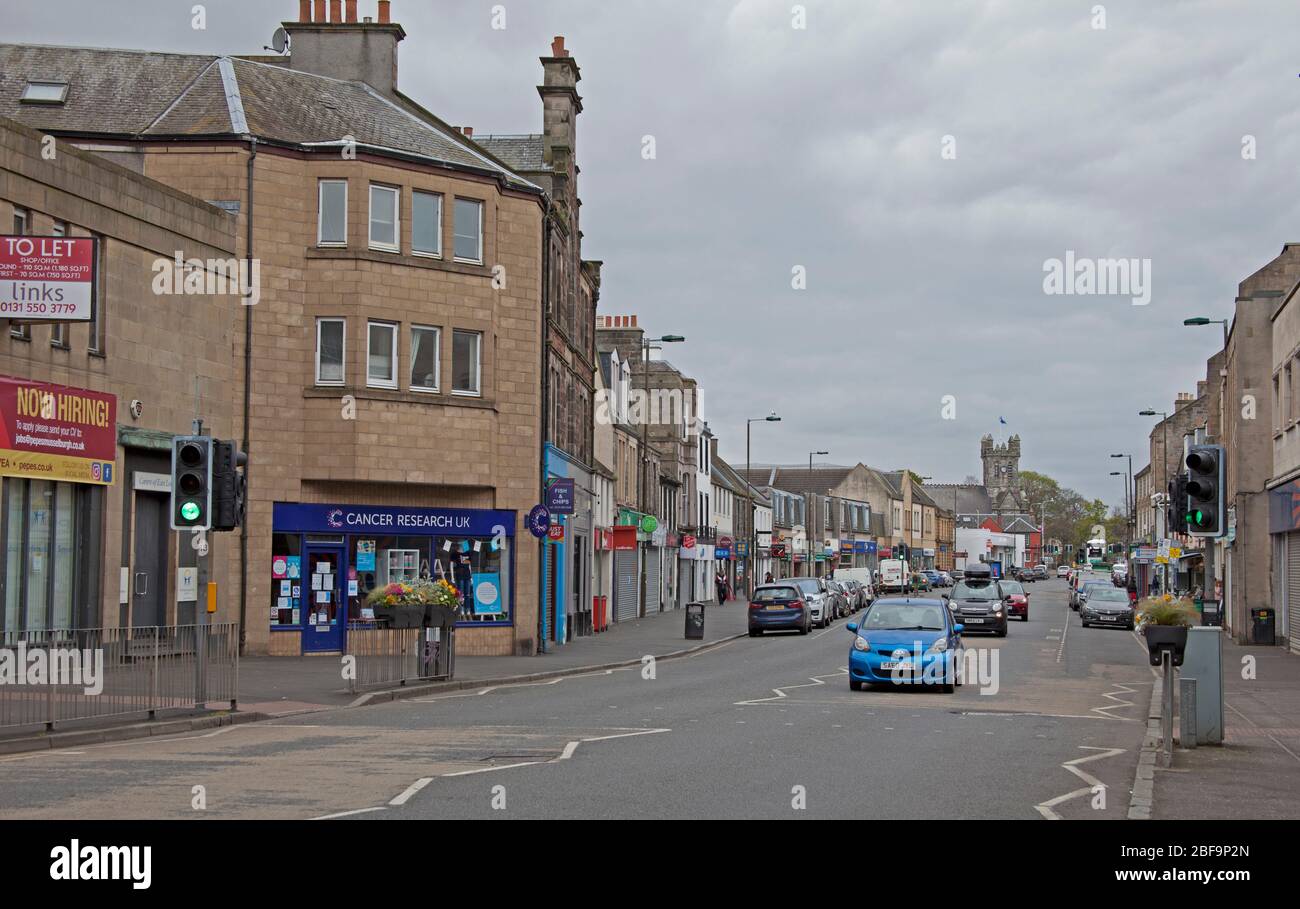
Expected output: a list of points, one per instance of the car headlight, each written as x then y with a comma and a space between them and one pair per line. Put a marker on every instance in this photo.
862, 644
939, 646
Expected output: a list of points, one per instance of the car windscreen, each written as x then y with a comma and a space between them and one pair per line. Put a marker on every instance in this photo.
1108, 595
808, 585
1012, 587
977, 591
769, 594
904, 617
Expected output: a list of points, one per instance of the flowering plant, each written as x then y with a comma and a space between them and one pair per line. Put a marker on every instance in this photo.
415, 593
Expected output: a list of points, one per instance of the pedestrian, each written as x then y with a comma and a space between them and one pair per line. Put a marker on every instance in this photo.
720, 582
768, 578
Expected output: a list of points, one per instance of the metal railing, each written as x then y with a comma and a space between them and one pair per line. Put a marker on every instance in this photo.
395, 656
56, 676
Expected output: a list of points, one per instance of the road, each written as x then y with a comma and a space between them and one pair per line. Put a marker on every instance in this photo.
756, 728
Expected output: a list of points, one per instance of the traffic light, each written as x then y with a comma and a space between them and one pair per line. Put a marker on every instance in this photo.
191, 483
228, 486
1205, 481
1176, 507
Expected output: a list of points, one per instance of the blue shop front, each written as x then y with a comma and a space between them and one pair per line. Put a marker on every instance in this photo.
326, 559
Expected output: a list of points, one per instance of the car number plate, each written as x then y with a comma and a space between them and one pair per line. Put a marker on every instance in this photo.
778, 606
973, 621
1110, 618
895, 666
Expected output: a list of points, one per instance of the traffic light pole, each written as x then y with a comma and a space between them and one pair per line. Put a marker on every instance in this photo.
201, 612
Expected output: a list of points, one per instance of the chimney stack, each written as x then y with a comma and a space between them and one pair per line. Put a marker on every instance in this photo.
561, 105
343, 48
304, 10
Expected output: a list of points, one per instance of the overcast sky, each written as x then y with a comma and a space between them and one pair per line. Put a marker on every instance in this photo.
822, 147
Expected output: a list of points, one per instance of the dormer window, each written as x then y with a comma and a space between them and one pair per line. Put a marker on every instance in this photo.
45, 93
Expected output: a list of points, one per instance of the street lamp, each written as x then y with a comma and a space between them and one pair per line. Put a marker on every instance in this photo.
1202, 320
749, 498
920, 481
809, 517
1130, 502
1164, 476
647, 344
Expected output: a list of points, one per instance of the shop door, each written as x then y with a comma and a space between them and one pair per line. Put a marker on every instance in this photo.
626, 585
324, 608
652, 583
1292, 597
149, 565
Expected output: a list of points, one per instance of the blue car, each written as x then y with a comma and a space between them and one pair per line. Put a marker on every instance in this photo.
906, 641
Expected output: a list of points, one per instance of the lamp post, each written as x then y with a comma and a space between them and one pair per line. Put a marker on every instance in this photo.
921, 481
1130, 504
1201, 320
1164, 480
643, 498
811, 510
749, 499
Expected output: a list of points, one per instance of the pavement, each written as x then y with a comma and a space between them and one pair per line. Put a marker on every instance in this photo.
1255, 773
1050, 726
281, 686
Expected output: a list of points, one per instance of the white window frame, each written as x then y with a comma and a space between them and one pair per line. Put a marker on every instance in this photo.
396, 246
343, 363
320, 214
394, 328
481, 251
437, 254
478, 366
437, 360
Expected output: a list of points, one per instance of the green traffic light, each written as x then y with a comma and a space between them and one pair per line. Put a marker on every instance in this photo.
190, 511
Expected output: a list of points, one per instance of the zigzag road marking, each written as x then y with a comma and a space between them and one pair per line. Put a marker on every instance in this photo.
1047, 808
780, 693
1114, 696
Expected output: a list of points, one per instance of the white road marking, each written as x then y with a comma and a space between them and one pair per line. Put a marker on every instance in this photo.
329, 817
780, 693
412, 790
1114, 696
1047, 808
1061, 650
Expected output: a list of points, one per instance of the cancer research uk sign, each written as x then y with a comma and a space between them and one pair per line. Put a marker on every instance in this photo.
54, 432
46, 278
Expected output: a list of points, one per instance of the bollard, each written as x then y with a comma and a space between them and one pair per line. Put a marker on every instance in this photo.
1167, 709
1187, 712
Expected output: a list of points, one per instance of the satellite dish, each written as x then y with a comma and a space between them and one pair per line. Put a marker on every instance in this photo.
280, 40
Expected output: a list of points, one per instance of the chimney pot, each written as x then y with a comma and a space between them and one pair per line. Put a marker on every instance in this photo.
557, 47
469, 131
304, 10
385, 11
319, 11
336, 10
351, 7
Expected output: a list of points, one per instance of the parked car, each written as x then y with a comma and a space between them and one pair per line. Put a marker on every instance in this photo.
780, 607
1090, 586
819, 602
976, 602
1062, 571
1016, 599
947, 578
934, 577
920, 583
859, 594
906, 641
1077, 579
957, 574
1107, 606
839, 595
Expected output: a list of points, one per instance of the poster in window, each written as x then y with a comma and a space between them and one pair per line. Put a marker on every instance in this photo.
487, 593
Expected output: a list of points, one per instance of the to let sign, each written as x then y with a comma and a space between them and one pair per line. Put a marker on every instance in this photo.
46, 278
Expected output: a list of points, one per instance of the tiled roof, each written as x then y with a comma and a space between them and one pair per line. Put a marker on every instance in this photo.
795, 478
970, 499
138, 93
521, 153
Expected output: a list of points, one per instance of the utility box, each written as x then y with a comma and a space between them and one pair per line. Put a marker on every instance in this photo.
1203, 661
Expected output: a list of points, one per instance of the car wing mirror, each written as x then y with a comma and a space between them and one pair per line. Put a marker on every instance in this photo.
852, 626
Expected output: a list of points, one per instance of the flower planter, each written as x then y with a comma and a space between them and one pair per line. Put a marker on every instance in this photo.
405, 616
1166, 637
440, 616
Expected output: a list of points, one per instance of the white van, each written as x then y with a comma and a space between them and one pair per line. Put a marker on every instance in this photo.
893, 575
861, 575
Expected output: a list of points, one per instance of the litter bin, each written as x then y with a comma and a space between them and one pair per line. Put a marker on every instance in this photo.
1262, 626
694, 621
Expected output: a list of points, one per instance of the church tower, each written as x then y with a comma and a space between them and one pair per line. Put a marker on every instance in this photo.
1001, 465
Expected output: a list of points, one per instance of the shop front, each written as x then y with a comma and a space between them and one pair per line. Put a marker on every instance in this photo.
58, 451
326, 559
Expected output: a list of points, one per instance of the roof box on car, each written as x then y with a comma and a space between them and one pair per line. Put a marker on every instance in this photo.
978, 570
